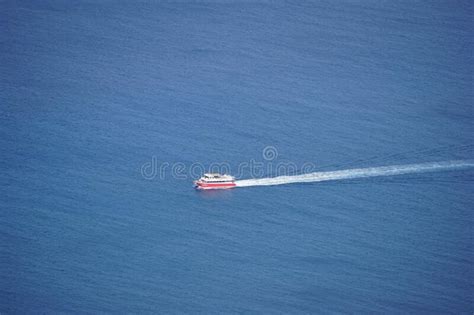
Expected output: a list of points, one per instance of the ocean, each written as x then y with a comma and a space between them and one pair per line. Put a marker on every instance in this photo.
110, 109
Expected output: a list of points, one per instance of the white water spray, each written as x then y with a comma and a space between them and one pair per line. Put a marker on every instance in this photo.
358, 173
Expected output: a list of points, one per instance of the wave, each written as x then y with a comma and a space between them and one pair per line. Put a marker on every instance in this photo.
357, 173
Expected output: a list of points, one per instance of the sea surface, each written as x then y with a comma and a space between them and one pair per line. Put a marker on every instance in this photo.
110, 109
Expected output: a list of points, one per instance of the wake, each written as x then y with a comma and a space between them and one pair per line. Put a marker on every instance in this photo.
358, 173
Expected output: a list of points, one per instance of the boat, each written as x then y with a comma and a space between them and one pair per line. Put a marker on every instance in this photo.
215, 181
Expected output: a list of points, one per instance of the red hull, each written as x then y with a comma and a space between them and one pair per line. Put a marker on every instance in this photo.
201, 185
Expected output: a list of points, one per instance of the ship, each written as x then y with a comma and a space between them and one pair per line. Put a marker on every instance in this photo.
215, 181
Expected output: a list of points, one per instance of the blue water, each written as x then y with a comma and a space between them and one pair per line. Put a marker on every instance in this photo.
91, 91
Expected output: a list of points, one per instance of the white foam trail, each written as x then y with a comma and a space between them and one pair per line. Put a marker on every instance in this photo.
357, 173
